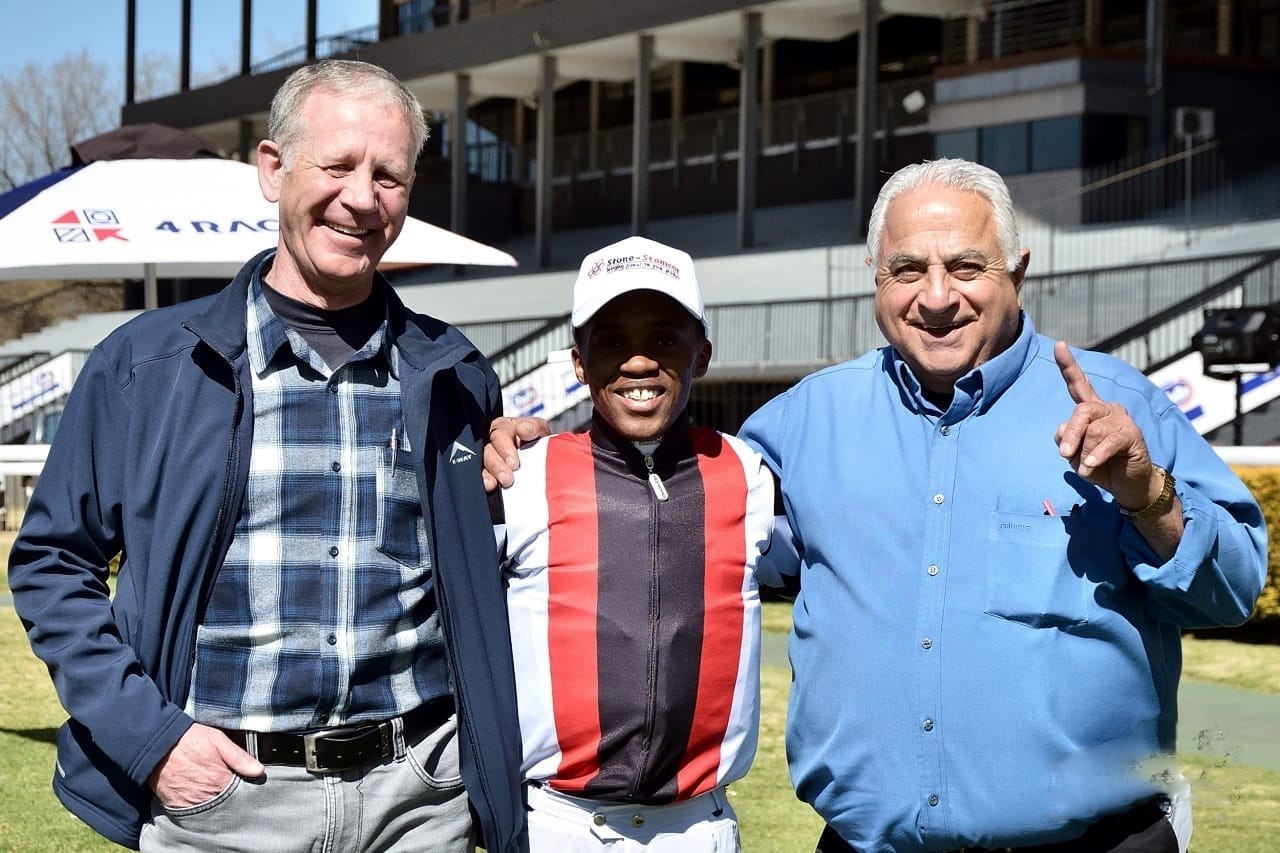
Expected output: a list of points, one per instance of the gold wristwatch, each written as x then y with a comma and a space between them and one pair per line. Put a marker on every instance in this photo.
1157, 506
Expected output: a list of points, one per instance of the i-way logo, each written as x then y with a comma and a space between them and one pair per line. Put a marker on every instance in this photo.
87, 225
460, 453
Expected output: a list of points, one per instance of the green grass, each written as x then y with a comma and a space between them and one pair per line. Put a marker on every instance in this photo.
1237, 807
769, 815
1251, 667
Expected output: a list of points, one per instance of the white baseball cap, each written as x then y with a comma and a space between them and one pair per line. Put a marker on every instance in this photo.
636, 263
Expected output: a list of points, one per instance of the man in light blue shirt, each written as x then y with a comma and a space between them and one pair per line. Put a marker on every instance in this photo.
1002, 539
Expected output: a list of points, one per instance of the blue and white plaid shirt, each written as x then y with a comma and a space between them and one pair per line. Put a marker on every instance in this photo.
323, 612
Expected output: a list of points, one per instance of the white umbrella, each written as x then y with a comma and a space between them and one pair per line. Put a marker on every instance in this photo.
158, 218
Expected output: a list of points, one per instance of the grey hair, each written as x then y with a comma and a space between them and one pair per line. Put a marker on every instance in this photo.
285, 124
960, 175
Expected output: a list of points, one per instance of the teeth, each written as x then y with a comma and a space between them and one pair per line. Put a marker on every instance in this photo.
353, 232
639, 394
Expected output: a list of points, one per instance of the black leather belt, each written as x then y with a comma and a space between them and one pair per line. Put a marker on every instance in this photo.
337, 749
1144, 827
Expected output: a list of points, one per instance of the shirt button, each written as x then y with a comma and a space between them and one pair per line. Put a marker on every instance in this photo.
938, 498
933, 799
637, 820
333, 640
322, 719
927, 725
946, 430
333, 552
933, 570
926, 643
333, 389
335, 467
599, 819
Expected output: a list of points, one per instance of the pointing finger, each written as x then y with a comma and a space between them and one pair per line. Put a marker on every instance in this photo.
1078, 385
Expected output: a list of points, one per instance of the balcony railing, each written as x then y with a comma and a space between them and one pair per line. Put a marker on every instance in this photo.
788, 125
1028, 26
326, 46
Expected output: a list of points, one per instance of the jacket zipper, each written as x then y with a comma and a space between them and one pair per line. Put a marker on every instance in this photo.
655, 482
222, 526
651, 707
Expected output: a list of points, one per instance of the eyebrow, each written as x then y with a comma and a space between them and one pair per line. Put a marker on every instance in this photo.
898, 258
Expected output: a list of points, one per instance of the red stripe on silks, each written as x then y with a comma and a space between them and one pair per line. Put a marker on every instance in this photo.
725, 546
573, 591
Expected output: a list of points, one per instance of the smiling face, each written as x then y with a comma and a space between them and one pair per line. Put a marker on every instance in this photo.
639, 354
343, 193
945, 298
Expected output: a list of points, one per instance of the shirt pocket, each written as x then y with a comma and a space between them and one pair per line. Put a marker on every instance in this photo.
1029, 579
401, 530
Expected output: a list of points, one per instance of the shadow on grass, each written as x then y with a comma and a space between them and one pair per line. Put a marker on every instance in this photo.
45, 735
1262, 632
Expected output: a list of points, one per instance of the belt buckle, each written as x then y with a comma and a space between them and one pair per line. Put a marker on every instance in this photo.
309, 751
312, 740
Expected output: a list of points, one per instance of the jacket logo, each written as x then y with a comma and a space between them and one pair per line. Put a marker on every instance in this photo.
460, 453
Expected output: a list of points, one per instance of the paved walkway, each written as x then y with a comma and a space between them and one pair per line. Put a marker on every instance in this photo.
1234, 726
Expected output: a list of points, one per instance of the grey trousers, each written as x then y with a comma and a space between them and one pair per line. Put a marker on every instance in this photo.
412, 801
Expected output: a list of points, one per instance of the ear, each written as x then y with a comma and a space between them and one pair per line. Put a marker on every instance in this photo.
270, 169
703, 360
1024, 258
579, 368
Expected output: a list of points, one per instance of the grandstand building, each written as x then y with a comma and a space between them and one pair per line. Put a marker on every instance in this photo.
1137, 137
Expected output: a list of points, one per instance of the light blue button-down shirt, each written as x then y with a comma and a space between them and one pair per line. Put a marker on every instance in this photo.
985, 650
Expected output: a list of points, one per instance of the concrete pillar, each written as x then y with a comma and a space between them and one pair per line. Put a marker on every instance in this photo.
748, 128
246, 144
184, 51
546, 130
1155, 73
677, 116
972, 34
640, 133
868, 78
593, 125
519, 171
1226, 13
1092, 23
312, 14
458, 154
246, 37
768, 65
130, 49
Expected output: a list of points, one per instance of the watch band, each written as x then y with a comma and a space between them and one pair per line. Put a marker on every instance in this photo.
1157, 506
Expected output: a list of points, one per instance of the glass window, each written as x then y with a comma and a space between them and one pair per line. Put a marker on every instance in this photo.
1055, 143
1004, 148
957, 143
1109, 139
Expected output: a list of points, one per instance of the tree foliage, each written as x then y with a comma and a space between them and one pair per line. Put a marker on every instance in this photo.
46, 108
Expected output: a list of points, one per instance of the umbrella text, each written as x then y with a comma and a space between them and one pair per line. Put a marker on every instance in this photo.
204, 226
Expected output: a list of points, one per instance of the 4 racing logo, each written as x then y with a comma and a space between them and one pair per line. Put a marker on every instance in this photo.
88, 226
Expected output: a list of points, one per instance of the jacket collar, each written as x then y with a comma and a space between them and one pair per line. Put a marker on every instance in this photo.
222, 324
423, 343
675, 446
